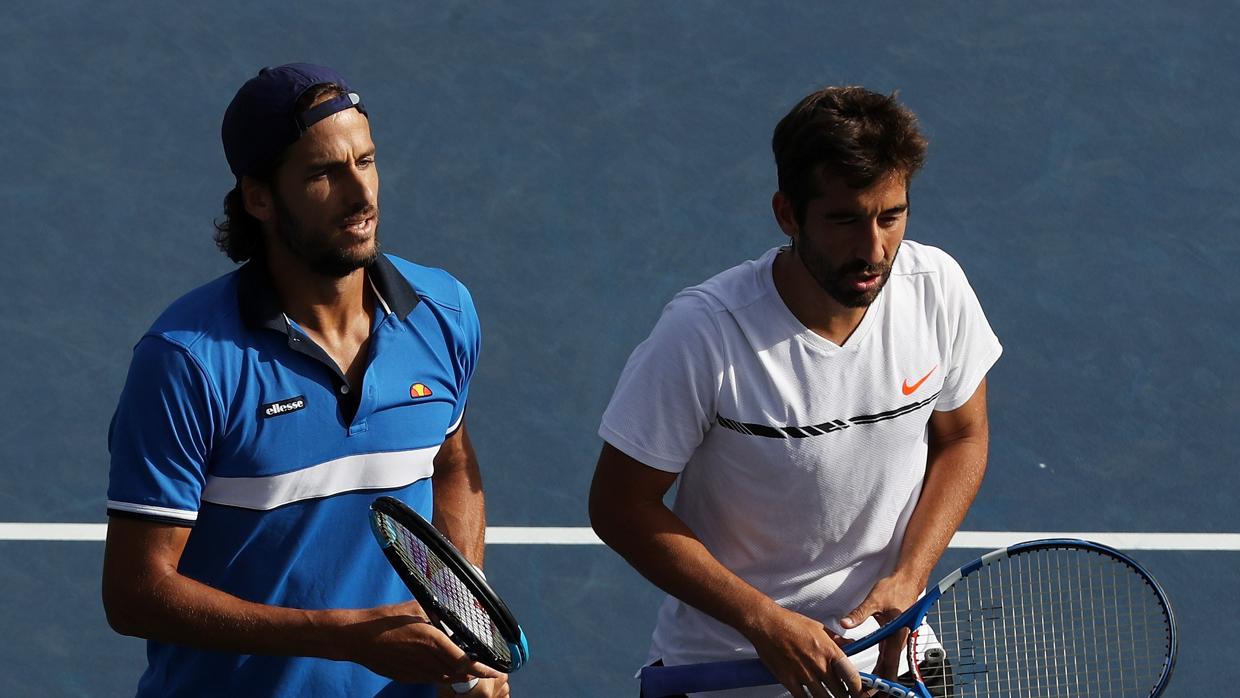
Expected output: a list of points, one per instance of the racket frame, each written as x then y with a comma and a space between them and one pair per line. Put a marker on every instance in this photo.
744, 673
421, 529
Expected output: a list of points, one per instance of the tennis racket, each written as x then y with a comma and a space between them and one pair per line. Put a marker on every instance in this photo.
451, 591
1049, 618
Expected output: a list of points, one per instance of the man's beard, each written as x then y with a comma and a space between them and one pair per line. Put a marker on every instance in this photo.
317, 251
833, 280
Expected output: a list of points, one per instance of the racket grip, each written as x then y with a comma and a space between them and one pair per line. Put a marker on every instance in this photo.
888, 688
465, 686
659, 681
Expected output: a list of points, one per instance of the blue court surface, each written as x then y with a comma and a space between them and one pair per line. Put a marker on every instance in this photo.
576, 163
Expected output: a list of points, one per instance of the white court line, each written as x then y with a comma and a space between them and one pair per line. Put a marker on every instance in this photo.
558, 535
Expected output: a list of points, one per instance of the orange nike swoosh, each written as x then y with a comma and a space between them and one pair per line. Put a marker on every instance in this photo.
910, 389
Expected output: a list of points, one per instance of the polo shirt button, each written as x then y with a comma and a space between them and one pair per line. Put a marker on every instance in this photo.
344, 390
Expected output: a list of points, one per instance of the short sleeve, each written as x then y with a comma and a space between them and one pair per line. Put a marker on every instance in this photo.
665, 399
973, 346
161, 435
469, 346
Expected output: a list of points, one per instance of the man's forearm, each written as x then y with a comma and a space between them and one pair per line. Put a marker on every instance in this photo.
953, 475
460, 508
460, 512
958, 441
177, 609
665, 551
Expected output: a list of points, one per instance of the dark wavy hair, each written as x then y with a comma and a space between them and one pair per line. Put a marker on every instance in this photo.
847, 132
238, 234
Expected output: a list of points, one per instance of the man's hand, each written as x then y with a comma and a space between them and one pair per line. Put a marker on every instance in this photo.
802, 654
485, 688
887, 600
399, 642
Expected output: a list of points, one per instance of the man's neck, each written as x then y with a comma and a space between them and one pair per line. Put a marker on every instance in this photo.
810, 304
322, 305
337, 314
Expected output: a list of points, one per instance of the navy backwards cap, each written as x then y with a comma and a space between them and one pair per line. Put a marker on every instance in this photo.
262, 119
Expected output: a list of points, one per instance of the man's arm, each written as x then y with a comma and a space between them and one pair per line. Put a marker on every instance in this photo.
144, 595
460, 514
460, 509
956, 462
628, 513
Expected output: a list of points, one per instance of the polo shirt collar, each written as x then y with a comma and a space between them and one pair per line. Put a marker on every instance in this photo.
260, 306
392, 286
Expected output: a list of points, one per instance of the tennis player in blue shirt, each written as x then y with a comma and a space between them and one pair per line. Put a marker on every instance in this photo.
264, 411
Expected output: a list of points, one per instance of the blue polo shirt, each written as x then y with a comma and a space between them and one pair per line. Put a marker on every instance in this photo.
235, 422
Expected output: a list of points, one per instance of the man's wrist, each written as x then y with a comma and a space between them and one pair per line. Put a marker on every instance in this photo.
330, 634
755, 618
915, 576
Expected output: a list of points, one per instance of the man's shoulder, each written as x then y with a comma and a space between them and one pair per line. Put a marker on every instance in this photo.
211, 310
920, 258
920, 263
734, 288
432, 284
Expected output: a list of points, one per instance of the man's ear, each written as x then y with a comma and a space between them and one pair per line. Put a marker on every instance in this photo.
785, 214
257, 197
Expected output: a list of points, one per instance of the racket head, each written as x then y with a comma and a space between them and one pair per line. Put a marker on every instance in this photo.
1049, 617
448, 587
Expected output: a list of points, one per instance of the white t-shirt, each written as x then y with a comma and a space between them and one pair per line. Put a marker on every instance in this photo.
800, 461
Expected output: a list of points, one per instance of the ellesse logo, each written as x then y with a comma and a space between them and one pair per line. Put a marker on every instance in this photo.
275, 409
419, 390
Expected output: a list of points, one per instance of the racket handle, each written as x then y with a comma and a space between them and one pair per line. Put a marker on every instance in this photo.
658, 681
888, 688
465, 686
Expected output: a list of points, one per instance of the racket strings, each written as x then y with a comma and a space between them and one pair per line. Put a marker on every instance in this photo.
1055, 624
454, 597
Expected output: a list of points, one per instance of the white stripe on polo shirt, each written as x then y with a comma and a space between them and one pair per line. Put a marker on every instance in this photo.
152, 511
455, 425
367, 471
